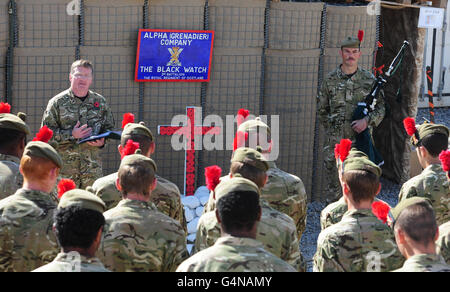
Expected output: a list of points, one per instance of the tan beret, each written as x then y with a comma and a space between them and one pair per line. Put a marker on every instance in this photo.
137, 129
361, 163
235, 184
82, 198
13, 122
44, 150
250, 156
134, 158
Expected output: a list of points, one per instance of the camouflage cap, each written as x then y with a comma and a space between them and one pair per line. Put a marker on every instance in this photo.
350, 42
138, 157
44, 150
234, 184
13, 122
395, 212
250, 156
82, 198
137, 129
427, 129
356, 153
253, 125
361, 163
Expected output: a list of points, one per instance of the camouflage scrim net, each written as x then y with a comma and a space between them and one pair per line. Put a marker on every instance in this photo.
266, 58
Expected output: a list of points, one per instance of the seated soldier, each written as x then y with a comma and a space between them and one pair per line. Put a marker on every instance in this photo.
416, 230
276, 230
360, 241
165, 196
13, 136
138, 237
443, 242
432, 183
283, 191
26, 238
334, 212
78, 227
237, 250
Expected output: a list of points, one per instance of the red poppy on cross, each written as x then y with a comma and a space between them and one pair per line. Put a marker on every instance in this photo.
190, 131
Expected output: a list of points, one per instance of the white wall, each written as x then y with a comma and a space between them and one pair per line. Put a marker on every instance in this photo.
445, 100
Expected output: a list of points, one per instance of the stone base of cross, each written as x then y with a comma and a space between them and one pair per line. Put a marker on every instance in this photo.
190, 130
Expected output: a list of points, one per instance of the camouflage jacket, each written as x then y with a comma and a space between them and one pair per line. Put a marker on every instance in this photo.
443, 242
233, 254
10, 178
275, 230
432, 184
165, 196
139, 238
359, 243
26, 237
334, 212
425, 263
65, 110
284, 192
338, 98
67, 262
82, 162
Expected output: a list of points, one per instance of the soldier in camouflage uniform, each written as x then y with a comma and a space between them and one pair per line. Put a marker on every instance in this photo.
432, 183
338, 97
137, 236
283, 191
276, 230
26, 238
74, 114
237, 250
166, 195
360, 241
334, 212
443, 242
78, 226
416, 231
13, 135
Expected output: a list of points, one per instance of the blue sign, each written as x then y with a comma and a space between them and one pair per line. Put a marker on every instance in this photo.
174, 55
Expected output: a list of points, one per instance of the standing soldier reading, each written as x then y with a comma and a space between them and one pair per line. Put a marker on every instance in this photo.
78, 113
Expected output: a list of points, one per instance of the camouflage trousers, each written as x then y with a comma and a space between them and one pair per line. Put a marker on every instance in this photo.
333, 191
82, 164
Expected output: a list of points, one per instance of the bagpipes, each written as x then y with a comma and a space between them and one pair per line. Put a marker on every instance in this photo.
363, 140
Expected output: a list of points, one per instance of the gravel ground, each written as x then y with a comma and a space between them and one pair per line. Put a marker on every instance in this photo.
389, 194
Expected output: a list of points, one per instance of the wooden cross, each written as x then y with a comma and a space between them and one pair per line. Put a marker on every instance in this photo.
190, 132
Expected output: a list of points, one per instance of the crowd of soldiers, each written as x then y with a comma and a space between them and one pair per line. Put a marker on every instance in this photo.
133, 220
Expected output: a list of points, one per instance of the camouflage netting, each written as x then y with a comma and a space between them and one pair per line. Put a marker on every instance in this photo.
268, 57
390, 137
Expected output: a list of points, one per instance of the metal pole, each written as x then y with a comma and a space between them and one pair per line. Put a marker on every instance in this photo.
441, 65
424, 72
430, 92
319, 84
12, 12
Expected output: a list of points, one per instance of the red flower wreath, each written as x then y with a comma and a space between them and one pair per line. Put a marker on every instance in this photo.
96, 104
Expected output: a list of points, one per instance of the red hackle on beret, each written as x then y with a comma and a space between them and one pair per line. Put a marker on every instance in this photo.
360, 35
5, 108
342, 149
64, 186
212, 176
381, 210
445, 160
242, 115
127, 118
410, 126
130, 148
44, 135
